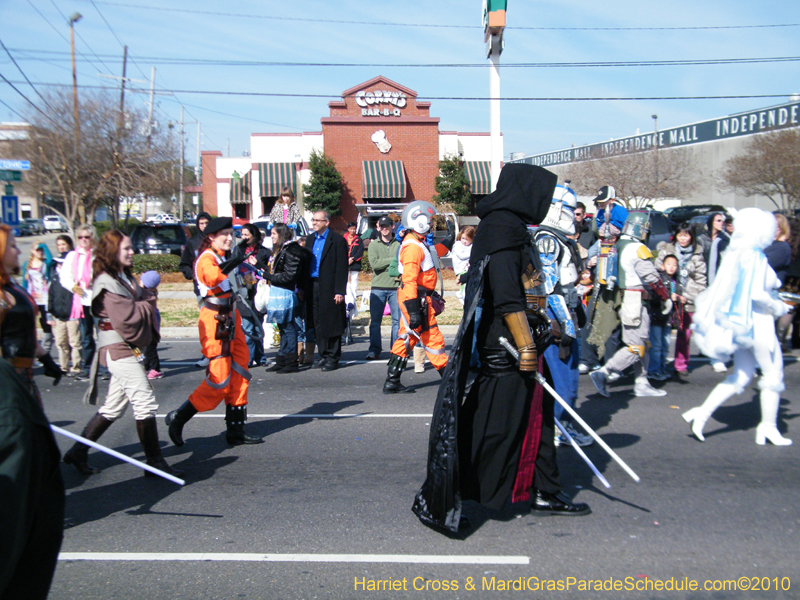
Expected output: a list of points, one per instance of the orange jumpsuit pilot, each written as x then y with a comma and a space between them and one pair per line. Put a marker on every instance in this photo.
419, 275
222, 340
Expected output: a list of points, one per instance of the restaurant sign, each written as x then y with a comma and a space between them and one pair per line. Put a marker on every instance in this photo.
381, 103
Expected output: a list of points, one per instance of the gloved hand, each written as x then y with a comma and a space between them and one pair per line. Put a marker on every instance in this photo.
462, 279
414, 313
401, 233
450, 238
429, 238
666, 307
565, 347
51, 369
233, 262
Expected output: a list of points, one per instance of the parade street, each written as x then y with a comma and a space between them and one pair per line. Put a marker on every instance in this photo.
322, 509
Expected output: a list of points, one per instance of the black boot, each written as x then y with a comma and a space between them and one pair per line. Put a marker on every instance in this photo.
280, 362
148, 436
290, 364
235, 418
392, 385
79, 453
177, 419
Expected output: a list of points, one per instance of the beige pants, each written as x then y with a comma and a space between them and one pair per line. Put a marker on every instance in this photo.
68, 342
128, 385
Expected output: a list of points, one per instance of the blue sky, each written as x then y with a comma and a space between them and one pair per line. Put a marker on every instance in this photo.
413, 32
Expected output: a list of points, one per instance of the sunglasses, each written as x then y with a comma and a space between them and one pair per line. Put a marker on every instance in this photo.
84, 237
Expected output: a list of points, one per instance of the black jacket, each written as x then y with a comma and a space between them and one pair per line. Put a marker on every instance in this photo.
189, 256
291, 267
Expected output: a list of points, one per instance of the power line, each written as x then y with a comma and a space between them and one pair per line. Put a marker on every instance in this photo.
482, 65
428, 25
33, 87
460, 98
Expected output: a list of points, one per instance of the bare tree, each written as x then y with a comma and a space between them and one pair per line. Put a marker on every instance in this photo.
116, 157
640, 178
770, 167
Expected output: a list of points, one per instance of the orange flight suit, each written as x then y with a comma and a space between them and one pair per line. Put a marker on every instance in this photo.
412, 257
206, 397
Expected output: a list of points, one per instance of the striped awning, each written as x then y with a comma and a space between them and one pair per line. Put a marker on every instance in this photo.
275, 176
479, 173
241, 191
384, 179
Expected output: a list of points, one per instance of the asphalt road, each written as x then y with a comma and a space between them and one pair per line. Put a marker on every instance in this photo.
322, 508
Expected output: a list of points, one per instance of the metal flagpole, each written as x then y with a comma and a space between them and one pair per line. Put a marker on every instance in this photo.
513, 351
115, 454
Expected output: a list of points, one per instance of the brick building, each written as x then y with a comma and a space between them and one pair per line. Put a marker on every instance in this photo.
384, 141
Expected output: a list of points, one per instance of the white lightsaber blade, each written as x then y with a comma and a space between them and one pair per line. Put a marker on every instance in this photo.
115, 454
582, 454
513, 351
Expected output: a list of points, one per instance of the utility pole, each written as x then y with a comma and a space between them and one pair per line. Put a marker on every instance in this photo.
122, 90
180, 194
74, 18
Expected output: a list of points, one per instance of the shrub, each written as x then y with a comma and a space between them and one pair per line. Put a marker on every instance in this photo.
163, 263
103, 226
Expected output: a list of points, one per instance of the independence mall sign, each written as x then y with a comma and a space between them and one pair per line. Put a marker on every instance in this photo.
758, 121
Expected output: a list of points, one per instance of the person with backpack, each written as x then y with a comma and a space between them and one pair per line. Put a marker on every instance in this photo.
59, 300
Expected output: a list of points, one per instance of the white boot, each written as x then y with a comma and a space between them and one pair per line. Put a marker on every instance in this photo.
642, 388
699, 415
768, 429
47, 341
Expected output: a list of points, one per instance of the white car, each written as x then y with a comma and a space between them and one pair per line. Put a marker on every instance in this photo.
54, 223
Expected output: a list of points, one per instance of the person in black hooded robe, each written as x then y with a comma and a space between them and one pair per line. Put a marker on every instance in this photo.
497, 443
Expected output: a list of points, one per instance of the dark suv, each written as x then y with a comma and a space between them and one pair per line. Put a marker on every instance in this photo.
160, 238
682, 214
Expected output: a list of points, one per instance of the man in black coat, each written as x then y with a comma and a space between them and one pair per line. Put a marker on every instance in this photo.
328, 284
187, 263
190, 252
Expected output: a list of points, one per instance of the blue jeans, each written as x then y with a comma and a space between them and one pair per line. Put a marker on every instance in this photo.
377, 303
254, 344
565, 376
288, 338
659, 341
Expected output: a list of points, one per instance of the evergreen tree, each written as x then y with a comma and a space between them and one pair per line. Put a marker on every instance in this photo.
324, 190
452, 186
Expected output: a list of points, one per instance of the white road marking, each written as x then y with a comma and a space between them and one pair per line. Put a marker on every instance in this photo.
320, 416
319, 558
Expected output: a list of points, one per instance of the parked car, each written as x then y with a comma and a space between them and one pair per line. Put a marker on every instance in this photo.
684, 213
35, 225
160, 238
24, 228
55, 223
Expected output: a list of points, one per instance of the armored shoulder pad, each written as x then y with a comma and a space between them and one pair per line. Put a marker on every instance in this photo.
644, 253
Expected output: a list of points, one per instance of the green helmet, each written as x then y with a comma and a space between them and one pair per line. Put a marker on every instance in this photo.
637, 225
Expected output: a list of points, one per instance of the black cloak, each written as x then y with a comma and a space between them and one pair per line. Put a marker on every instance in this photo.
523, 197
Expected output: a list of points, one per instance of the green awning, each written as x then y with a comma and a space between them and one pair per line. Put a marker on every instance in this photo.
241, 191
274, 177
479, 173
384, 179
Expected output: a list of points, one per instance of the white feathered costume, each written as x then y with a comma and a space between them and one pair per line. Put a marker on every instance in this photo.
735, 317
